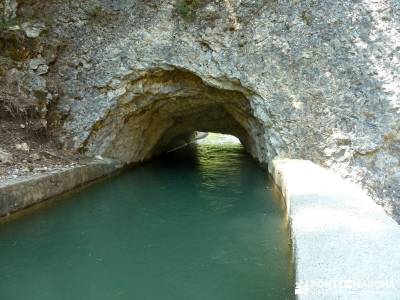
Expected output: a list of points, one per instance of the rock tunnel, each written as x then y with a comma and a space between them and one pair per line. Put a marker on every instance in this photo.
160, 107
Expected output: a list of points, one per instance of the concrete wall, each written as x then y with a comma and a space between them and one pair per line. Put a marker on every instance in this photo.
23, 192
345, 246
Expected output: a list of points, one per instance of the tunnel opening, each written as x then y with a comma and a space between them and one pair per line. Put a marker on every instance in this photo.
196, 138
156, 109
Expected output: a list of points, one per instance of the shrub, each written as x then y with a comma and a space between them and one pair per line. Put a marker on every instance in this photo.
187, 8
183, 8
7, 24
94, 10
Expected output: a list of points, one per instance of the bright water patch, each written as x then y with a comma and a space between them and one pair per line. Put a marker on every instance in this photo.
197, 224
215, 139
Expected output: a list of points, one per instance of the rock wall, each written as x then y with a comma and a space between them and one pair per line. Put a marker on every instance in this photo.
316, 80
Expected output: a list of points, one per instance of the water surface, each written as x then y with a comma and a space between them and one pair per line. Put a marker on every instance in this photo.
198, 224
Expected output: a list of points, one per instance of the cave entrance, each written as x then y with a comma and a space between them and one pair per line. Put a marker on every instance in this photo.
160, 107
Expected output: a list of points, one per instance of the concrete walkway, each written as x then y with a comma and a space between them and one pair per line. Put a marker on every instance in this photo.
345, 246
20, 193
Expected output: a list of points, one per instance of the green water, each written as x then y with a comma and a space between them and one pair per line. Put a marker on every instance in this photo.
199, 224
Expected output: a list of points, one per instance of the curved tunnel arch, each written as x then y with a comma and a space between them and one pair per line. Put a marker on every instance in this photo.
163, 105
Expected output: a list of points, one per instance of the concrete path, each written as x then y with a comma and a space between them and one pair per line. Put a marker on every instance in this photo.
20, 193
345, 245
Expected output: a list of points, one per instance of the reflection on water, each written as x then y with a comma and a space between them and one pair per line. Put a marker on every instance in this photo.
198, 224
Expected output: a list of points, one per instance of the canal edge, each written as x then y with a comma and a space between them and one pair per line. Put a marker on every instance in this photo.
341, 239
22, 193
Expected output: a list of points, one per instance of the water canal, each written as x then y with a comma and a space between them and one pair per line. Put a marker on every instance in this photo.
199, 223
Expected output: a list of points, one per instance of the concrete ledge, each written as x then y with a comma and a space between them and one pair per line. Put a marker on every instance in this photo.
345, 246
16, 194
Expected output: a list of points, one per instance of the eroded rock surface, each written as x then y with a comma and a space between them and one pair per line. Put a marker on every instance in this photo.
316, 80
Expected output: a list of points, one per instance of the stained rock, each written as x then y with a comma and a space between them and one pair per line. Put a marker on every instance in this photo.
39, 66
5, 157
35, 156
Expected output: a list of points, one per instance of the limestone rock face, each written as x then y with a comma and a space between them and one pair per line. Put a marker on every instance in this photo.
316, 80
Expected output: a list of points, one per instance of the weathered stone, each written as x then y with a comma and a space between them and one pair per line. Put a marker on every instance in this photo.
35, 156
5, 157
39, 66
10, 9
33, 30
22, 147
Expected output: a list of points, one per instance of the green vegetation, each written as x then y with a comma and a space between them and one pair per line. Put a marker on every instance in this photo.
8, 24
187, 8
94, 10
306, 17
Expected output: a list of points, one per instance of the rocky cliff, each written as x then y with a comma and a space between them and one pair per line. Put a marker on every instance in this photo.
317, 80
